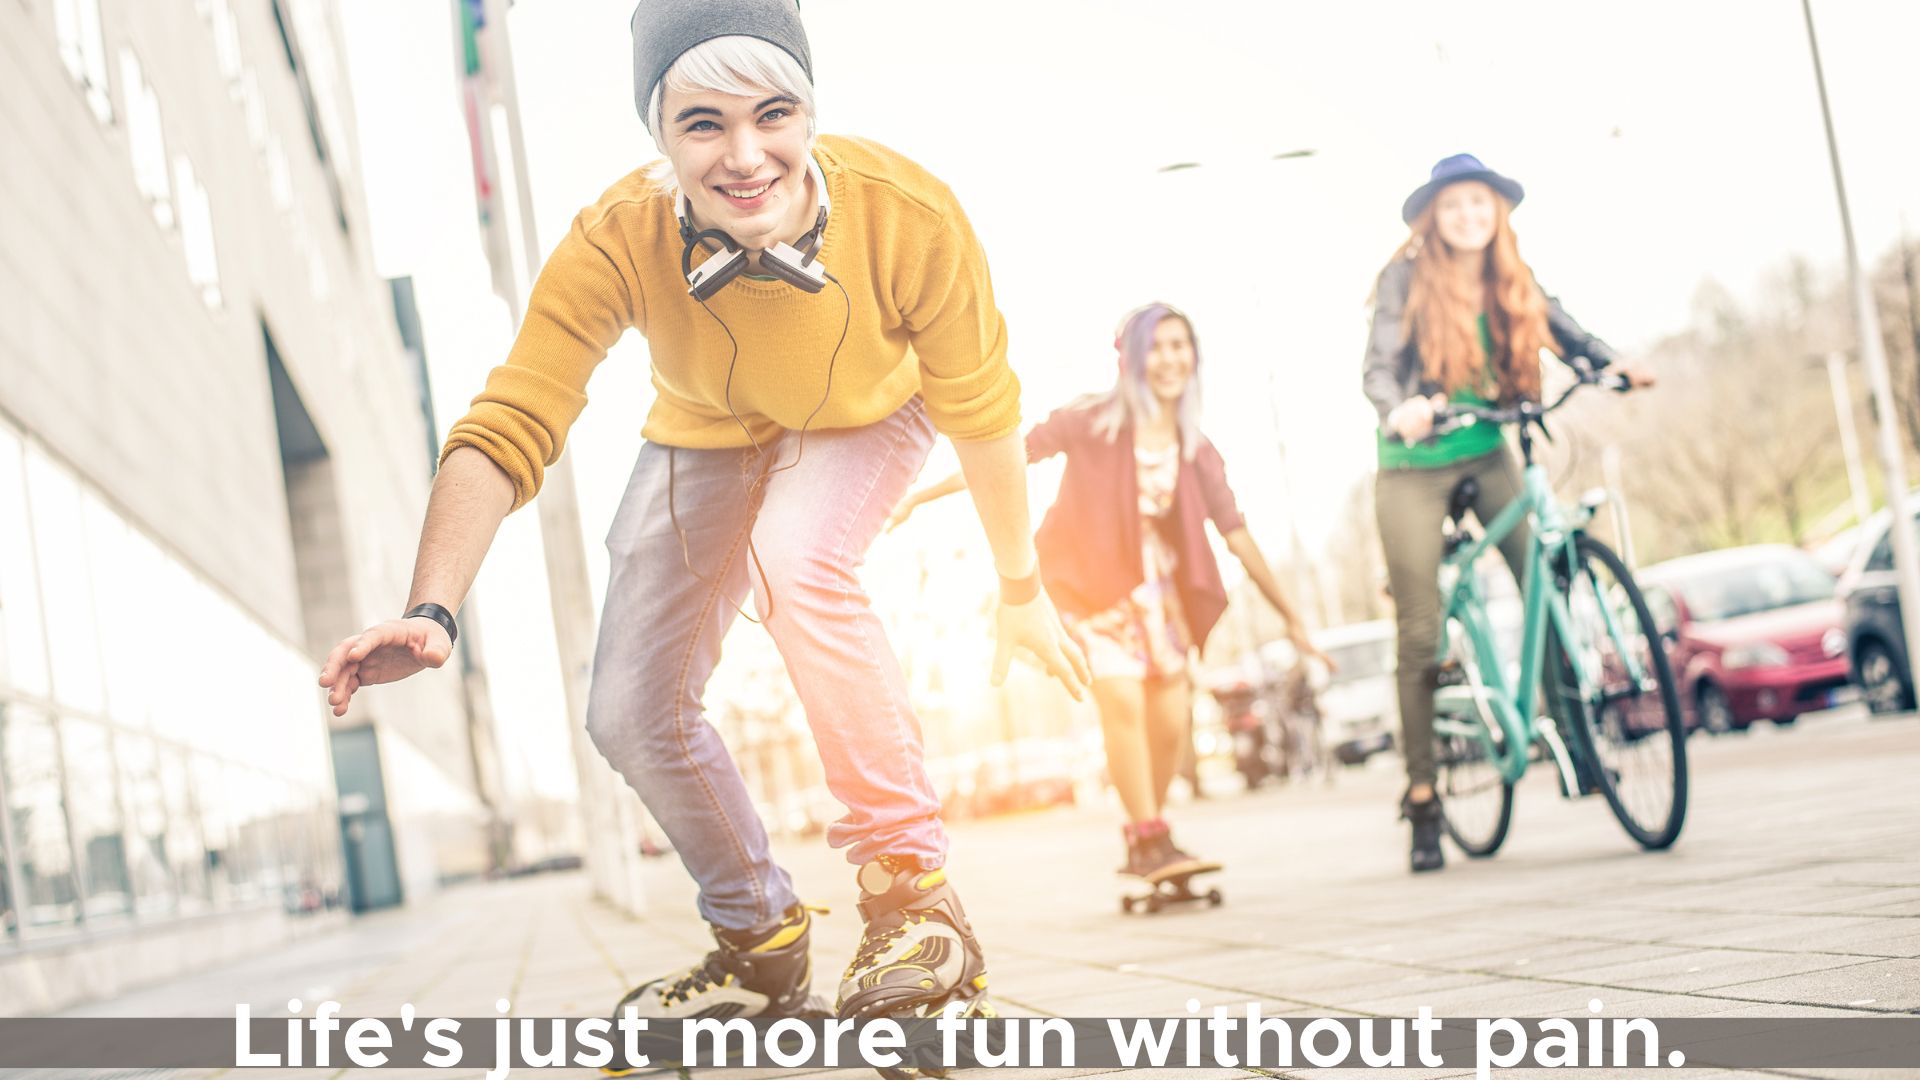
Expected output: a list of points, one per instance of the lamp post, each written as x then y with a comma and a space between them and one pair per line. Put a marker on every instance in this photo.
1306, 575
1836, 363
1906, 557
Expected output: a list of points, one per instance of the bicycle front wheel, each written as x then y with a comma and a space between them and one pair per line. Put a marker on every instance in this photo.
1475, 797
1629, 729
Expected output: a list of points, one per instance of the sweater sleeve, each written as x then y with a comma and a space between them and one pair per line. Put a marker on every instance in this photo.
580, 306
1222, 508
960, 337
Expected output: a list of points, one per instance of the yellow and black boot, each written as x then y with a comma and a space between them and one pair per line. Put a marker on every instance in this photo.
765, 971
918, 952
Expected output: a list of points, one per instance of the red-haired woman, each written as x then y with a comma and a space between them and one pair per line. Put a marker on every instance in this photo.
1457, 317
1124, 552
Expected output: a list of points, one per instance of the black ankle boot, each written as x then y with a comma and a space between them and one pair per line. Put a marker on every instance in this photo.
1425, 818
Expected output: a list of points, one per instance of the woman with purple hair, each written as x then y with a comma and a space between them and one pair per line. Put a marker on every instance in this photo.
1124, 553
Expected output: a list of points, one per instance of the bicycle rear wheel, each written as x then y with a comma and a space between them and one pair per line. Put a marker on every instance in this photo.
1629, 733
1475, 798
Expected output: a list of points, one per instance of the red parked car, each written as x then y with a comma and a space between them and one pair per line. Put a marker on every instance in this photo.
1754, 633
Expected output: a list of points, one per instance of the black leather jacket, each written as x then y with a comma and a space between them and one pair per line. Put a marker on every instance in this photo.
1394, 371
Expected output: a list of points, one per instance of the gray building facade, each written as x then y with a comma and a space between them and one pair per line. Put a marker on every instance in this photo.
213, 465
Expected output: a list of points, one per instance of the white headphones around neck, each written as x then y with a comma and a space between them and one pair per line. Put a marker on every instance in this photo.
796, 264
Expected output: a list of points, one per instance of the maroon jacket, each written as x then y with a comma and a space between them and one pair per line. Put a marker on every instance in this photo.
1089, 543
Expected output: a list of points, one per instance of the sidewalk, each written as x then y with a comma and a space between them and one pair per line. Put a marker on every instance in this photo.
1795, 891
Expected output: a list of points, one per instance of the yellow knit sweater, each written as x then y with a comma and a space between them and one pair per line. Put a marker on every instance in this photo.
923, 322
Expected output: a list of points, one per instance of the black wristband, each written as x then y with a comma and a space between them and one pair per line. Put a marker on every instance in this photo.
1016, 591
437, 614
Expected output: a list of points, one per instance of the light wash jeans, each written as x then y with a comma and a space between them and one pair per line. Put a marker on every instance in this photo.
669, 605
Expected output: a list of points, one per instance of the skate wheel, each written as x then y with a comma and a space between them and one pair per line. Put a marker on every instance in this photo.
894, 1074
1126, 905
1153, 905
1214, 898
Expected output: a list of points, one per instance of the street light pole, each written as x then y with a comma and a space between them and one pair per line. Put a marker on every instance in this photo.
611, 815
1849, 437
1873, 354
1305, 571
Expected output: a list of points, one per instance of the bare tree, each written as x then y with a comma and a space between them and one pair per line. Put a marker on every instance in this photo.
1354, 559
1739, 445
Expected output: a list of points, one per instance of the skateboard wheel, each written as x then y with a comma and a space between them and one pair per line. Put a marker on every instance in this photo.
1213, 898
1126, 905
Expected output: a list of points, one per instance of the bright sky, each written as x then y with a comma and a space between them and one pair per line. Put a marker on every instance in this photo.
1660, 143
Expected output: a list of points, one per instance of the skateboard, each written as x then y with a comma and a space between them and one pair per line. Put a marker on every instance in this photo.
1174, 888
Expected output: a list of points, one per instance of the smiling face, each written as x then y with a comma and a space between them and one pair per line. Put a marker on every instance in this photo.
742, 161
1465, 214
1170, 360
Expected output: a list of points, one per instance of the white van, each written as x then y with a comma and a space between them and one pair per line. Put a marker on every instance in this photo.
1359, 702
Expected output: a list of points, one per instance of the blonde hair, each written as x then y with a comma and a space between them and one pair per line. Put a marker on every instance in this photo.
735, 64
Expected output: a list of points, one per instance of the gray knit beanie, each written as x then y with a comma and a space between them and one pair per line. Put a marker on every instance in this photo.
664, 29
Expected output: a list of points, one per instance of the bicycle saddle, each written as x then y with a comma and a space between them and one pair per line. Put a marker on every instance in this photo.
1462, 499
1464, 493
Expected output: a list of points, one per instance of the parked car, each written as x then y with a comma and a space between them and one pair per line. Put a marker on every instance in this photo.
1876, 641
1836, 553
1359, 706
1753, 633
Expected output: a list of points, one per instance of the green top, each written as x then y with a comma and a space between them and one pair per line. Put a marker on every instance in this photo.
1459, 445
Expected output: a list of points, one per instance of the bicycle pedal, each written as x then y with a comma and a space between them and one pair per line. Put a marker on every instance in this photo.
1450, 674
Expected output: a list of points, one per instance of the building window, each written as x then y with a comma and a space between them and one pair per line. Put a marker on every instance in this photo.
23, 647
83, 49
303, 77
143, 800
9, 916
254, 107
73, 647
118, 800
186, 848
279, 174
226, 36
196, 232
145, 139
37, 821
93, 813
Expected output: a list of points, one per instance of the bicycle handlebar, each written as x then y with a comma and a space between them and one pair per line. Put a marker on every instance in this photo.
1457, 416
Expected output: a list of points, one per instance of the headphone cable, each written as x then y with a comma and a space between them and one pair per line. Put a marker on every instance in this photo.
756, 485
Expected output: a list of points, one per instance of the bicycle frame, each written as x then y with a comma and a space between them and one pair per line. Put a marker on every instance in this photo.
1550, 544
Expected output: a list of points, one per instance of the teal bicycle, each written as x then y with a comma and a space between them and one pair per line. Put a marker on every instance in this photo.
1613, 723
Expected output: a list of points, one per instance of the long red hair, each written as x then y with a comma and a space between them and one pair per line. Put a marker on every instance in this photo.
1441, 315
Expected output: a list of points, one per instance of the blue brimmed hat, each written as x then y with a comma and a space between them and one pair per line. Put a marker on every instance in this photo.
1452, 170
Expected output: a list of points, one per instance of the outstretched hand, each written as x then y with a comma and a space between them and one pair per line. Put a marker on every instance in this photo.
384, 653
1639, 378
901, 512
1307, 650
1035, 627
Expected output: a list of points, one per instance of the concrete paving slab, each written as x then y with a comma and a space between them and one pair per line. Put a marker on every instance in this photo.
1878, 986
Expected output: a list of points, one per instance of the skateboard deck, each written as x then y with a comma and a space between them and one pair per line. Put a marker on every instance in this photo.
1169, 890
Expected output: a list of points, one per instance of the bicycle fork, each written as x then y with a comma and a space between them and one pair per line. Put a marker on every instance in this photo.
1547, 731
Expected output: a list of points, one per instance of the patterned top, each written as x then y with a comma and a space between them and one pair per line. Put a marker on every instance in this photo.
1145, 634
